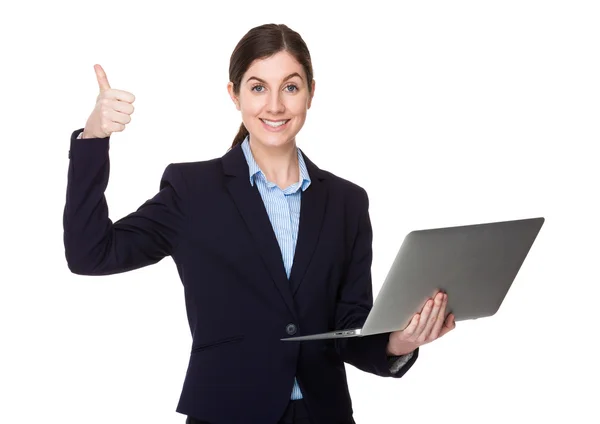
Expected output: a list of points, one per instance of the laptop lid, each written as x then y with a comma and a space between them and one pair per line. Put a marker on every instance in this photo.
474, 264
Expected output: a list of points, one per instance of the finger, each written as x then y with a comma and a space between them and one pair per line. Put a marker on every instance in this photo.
437, 327
412, 326
118, 117
123, 107
452, 321
449, 324
433, 317
424, 318
121, 95
102, 79
429, 300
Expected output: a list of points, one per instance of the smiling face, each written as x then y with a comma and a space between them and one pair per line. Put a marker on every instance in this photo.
273, 98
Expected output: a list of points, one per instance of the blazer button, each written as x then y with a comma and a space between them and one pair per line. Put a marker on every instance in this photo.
291, 329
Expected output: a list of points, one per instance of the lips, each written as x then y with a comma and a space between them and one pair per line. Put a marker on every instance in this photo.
275, 126
274, 123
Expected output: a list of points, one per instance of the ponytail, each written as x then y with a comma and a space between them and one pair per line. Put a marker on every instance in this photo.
241, 135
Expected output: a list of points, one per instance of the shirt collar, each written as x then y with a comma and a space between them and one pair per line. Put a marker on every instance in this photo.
254, 169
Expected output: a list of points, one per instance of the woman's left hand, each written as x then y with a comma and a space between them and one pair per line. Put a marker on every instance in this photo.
428, 325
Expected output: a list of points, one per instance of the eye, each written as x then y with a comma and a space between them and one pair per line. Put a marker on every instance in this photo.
257, 86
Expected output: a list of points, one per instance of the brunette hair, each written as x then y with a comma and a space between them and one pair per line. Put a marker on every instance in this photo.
259, 43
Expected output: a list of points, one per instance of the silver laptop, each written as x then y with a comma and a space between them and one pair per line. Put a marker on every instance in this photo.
474, 264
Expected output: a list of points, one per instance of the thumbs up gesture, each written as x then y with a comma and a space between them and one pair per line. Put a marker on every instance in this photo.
112, 111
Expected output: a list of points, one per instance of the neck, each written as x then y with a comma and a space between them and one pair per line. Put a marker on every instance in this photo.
279, 164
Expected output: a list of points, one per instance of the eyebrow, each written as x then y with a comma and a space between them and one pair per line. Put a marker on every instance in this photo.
295, 74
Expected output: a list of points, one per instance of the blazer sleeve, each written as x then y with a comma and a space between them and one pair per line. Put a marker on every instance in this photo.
94, 245
355, 300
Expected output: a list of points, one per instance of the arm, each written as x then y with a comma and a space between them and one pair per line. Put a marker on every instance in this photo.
94, 245
355, 300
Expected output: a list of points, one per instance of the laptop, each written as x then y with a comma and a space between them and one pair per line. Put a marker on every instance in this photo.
474, 264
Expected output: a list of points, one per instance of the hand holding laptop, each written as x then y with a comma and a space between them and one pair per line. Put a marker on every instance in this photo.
428, 325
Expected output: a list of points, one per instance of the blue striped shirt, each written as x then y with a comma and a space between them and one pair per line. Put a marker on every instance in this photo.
283, 208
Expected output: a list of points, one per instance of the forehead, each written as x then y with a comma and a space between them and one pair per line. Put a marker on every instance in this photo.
274, 68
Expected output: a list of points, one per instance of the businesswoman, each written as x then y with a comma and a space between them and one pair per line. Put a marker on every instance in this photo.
266, 243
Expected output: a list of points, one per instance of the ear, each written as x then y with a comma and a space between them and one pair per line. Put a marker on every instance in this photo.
312, 93
232, 95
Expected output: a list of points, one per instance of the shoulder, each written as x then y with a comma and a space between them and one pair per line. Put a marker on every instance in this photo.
196, 169
339, 187
180, 175
349, 192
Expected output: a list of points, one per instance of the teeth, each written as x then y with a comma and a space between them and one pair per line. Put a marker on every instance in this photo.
274, 123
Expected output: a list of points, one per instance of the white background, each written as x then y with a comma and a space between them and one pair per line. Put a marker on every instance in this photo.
448, 113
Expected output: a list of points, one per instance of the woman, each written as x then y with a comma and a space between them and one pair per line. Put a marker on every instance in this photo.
267, 245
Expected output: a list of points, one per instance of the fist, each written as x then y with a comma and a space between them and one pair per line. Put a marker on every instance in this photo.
112, 111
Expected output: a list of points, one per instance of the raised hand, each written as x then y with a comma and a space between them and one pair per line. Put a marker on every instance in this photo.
112, 111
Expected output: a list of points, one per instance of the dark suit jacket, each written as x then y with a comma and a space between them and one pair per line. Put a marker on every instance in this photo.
239, 302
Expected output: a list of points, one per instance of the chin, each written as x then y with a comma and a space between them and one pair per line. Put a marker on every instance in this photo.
274, 139
279, 141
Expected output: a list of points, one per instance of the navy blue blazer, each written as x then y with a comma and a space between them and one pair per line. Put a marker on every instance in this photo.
239, 301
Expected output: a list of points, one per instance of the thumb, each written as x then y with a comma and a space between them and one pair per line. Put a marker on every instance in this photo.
102, 80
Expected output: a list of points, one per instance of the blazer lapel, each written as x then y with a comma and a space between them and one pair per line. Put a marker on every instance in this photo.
312, 211
250, 205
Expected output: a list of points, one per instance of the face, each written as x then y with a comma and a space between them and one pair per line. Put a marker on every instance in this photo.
273, 99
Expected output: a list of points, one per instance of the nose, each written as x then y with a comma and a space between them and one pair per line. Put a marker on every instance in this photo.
275, 104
